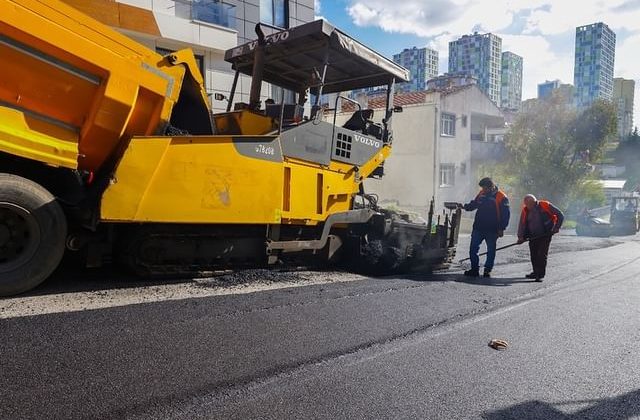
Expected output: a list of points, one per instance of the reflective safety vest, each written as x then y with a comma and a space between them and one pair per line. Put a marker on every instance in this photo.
500, 196
549, 218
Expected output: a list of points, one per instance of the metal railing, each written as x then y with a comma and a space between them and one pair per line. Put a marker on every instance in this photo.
215, 12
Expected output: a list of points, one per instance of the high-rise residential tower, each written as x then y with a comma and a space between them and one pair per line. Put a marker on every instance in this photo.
623, 90
555, 87
422, 63
511, 85
545, 90
594, 60
479, 55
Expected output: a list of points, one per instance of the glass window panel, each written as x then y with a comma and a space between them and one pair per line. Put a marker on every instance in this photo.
266, 11
281, 17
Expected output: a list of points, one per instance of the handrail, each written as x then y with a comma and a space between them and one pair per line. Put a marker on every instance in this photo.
335, 113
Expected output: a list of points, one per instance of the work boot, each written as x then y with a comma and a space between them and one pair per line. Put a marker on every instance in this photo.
487, 273
530, 276
474, 272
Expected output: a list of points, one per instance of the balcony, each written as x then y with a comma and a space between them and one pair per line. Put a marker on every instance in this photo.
495, 135
215, 12
487, 138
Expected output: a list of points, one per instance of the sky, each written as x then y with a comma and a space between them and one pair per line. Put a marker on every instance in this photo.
541, 31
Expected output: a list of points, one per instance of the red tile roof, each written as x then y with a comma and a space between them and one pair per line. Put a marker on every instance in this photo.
400, 99
378, 101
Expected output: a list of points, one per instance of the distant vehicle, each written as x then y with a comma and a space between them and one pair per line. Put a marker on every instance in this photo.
624, 218
589, 225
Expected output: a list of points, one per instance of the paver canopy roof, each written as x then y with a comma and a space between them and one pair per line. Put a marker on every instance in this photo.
294, 57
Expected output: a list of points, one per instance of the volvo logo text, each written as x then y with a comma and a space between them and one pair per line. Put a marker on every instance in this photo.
367, 141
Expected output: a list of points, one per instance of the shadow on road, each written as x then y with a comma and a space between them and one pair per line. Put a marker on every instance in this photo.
460, 278
494, 281
625, 406
71, 279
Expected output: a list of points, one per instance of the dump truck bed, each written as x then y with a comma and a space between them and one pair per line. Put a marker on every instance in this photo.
71, 88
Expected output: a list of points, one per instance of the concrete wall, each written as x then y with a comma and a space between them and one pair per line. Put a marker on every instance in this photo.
210, 41
456, 150
409, 173
480, 112
412, 172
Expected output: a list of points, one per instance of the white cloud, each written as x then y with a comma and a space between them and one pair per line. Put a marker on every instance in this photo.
440, 43
540, 62
433, 17
441, 21
317, 10
363, 15
561, 15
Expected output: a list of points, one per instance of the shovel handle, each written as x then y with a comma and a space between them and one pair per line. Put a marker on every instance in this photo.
509, 246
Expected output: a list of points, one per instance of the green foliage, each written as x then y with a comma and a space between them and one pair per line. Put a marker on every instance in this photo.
587, 194
569, 224
550, 147
628, 154
594, 127
503, 176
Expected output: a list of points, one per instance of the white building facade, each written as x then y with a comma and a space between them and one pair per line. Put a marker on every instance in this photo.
208, 27
441, 139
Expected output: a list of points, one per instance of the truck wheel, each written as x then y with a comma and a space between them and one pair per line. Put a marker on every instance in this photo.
33, 229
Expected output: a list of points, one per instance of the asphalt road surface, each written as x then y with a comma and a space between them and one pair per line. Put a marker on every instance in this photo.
334, 345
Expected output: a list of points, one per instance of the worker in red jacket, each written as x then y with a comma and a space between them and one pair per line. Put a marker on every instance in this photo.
539, 220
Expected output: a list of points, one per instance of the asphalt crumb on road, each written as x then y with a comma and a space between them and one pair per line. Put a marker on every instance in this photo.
260, 276
257, 277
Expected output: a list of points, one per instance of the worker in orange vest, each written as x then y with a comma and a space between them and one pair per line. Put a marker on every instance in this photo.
492, 218
539, 220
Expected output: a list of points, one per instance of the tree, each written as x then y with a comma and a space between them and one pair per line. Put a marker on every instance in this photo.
551, 147
628, 155
587, 194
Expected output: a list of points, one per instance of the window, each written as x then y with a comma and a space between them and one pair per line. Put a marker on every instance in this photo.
448, 125
275, 12
214, 11
447, 174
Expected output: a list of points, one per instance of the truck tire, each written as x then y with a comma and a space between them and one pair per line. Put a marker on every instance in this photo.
33, 230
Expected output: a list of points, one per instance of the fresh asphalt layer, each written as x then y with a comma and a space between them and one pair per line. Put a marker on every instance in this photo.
406, 347
573, 354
